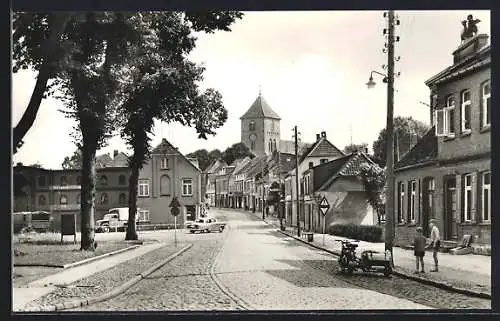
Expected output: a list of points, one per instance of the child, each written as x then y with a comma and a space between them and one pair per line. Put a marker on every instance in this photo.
419, 247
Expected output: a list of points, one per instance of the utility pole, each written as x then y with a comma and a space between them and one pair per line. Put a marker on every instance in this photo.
297, 178
389, 204
262, 183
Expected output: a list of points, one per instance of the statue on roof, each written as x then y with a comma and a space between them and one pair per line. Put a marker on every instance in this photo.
470, 28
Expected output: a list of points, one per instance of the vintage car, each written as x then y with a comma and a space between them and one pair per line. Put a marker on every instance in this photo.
205, 225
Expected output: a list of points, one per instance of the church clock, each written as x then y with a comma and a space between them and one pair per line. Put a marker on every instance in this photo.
253, 137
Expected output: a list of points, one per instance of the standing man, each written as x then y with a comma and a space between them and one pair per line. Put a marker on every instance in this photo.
435, 242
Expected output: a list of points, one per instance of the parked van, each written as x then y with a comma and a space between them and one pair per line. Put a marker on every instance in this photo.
115, 220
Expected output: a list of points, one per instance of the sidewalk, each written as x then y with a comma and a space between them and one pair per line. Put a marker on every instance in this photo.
36, 289
468, 273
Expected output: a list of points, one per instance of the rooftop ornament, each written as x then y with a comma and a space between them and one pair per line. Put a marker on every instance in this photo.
470, 28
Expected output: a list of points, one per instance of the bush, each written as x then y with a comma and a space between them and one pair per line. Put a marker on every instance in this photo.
358, 232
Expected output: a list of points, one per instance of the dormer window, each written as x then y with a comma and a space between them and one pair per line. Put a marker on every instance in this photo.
466, 111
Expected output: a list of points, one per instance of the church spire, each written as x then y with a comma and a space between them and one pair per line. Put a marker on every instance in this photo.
260, 90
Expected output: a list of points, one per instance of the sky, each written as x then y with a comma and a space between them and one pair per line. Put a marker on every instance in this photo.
311, 67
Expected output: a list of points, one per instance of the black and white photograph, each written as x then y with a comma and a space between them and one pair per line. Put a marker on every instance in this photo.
247, 161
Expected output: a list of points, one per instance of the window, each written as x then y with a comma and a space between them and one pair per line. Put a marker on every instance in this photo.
252, 145
311, 164
251, 126
467, 197
164, 163
164, 185
272, 125
63, 200
78, 180
445, 119
103, 180
486, 104
466, 111
104, 198
411, 202
270, 145
187, 186
143, 188
42, 200
41, 181
63, 181
274, 143
323, 160
78, 198
143, 216
486, 196
401, 193
122, 180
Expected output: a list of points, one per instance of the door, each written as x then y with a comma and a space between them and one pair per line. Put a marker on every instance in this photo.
427, 203
450, 209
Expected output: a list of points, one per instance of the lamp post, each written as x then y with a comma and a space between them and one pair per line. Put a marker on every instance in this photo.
389, 79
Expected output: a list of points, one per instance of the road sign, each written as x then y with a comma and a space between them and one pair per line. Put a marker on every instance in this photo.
324, 206
174, 211
174, 202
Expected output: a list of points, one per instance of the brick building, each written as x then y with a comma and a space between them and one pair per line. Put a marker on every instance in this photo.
447, 175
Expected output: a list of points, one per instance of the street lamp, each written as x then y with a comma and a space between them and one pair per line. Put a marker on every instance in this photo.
389, 79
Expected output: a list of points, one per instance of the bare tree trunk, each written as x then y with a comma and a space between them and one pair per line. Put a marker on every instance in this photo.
31, 111
88, 196
132, 201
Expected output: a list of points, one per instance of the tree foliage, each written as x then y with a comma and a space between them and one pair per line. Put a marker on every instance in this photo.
355, 147
374, 180
203, 158
407, 131
236, 151
74, 161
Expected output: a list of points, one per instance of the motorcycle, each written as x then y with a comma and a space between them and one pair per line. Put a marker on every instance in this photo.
370, 261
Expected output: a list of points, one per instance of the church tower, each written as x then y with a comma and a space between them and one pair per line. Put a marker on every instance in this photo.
260, 128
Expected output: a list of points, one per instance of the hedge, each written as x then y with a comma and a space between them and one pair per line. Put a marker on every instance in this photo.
367, 233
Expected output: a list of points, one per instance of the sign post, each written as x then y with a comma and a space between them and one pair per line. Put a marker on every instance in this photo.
174, 210
324, 207
68, 226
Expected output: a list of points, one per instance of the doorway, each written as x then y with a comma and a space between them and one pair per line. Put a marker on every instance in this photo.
427, 203
450, 208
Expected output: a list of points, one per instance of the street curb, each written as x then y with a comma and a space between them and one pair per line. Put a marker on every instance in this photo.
437, 284
221, 285
116, 291
90, 259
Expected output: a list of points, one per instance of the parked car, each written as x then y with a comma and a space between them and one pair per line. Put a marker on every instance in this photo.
206, 225
115, 220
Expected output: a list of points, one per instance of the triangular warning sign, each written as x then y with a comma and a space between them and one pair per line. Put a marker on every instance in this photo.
174, 202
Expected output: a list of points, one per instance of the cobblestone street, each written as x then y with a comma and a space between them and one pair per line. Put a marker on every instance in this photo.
258, 268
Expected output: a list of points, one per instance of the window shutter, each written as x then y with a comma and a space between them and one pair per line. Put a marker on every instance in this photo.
474, 197
439, 120
460, 198
408, 201
419, 201
481, 115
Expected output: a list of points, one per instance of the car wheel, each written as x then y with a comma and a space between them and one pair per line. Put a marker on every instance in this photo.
207, 230
221, 229
105, 229
192, 232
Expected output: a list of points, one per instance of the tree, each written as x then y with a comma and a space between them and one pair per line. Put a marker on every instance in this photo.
74, 161
163, 84
407, 132
203, 158
215, 155
45, 55
36, 165
355, 147
87, 76
236, 151
374, 179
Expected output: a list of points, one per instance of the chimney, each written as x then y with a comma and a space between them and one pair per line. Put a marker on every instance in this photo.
115, 153
323, 134
470, 47
318, 137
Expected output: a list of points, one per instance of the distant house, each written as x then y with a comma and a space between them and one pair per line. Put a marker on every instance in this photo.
222, 186
322, 151
58, 190
337, 181
236, 181
166, 175
211, 174
447, 175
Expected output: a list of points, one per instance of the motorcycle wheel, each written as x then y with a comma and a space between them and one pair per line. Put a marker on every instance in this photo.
387, 271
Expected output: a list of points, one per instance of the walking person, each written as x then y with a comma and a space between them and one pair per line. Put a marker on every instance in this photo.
435, 243
419, 247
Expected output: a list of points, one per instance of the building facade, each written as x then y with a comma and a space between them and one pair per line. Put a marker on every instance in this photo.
447, 175
168, 174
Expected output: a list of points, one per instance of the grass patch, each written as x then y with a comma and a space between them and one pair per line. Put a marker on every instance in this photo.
39, 251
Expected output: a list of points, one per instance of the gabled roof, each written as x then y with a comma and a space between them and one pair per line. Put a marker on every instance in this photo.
256, 166
322, 147
260, 109
242, 165
105, 161
215, 166
286, 163
346, 166
166, 148
424, 151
